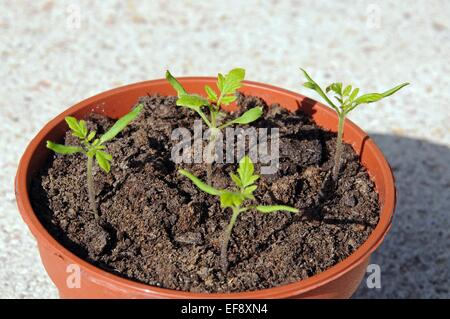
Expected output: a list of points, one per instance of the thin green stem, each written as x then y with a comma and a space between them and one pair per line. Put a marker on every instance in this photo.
226, 240
211, 150
90, 184
338, 152
204, 118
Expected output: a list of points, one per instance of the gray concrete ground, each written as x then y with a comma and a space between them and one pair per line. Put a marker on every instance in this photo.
55, 53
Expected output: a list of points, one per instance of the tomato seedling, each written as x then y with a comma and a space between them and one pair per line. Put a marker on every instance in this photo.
236, 199
348, 100
228, 85
93, 147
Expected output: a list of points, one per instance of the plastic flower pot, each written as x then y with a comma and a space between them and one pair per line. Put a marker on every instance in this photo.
339, 281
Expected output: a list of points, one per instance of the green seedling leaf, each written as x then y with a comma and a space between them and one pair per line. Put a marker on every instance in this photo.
83, 127
236, 198
93, 149
252, 179
91, 152
347, 90
76, 126
354, 94
232, 81
236, 180
226, 100
276, 208
63, 149
314, 86
374, 97
245, 171
91, 136
338, 88
72, 122
246, 118
248, 191
335, 87
231, 199
211, 94
345, 106
368, 98
175, 84
103, 159
393, 90
311, 86
200, 184
220, 81
192, 101
121, 124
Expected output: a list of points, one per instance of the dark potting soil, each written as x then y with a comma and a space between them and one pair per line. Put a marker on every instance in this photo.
156, 227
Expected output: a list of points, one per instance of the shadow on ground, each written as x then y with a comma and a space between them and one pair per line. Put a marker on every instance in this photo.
415, 256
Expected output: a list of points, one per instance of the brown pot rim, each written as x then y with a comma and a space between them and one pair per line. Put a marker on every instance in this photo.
284, 291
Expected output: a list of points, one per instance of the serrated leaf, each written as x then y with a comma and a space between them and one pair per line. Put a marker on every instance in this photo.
245, 171
246, 118
200, 184
211, 94
276, 208
121, 124
103, 159
72, 122
63, 149
232, 81
175, 84
74, 125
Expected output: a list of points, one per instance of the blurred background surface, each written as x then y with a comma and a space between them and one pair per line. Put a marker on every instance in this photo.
56, 53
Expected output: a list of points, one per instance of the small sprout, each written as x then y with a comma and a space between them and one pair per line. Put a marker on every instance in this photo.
245, 186
227, 85
93, 147
348, 99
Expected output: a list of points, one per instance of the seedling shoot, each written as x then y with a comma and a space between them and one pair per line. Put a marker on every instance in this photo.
228, 85
236, 199
93, 147
348, 99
